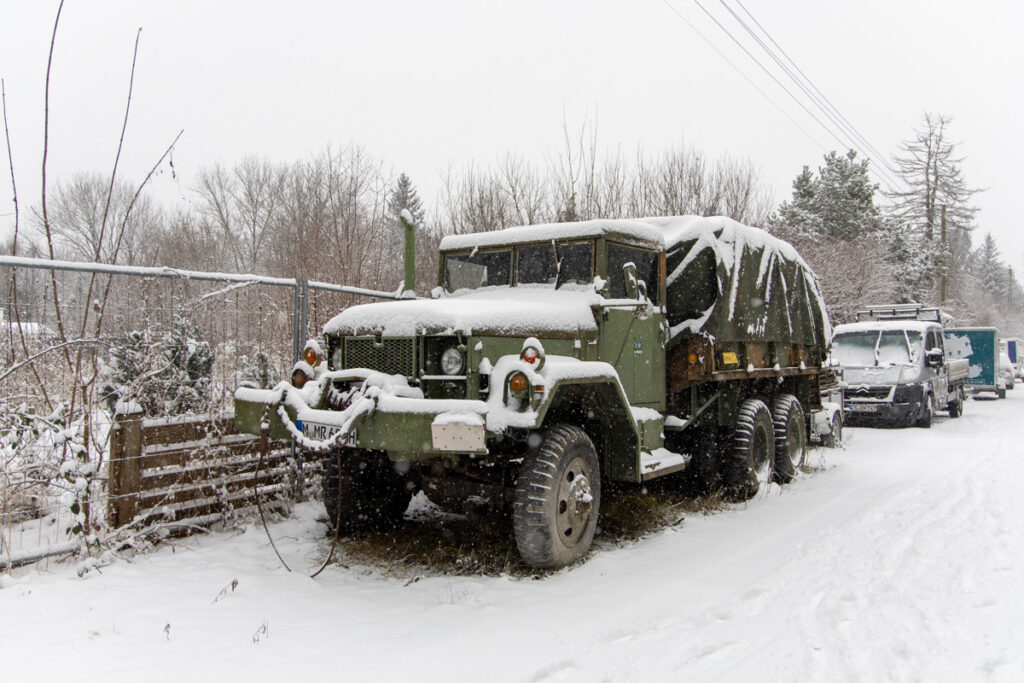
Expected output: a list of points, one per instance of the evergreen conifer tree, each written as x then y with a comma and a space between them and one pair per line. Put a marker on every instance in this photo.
838, 202
405, 198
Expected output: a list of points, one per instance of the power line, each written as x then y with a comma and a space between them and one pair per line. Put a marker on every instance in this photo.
845, 129
745, 77
851, 142
878, 155
769, 73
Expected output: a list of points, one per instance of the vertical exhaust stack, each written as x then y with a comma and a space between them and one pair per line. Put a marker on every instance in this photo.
409, 285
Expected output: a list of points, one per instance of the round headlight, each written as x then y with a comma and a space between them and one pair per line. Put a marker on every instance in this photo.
336, 358
451, 361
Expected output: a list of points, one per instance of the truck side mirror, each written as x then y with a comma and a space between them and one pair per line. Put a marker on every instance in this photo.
635, 287
630, 280
933, 358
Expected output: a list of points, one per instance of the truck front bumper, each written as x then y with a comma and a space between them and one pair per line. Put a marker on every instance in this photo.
406, 428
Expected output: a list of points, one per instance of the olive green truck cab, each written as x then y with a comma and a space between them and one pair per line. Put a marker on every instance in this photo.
553, 358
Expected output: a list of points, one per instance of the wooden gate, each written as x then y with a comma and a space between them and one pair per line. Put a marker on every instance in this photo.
192, 470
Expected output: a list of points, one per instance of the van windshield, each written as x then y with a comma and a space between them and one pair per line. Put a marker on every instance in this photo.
877, 347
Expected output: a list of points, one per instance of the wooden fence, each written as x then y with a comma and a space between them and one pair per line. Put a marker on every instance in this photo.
192, 471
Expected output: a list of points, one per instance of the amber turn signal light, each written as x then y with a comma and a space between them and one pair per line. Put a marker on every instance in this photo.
518, 382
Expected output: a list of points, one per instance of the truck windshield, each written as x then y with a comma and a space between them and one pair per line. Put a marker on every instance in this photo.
877, 347
556, 265
477, 269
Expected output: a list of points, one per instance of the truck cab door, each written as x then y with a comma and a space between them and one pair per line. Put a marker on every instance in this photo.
632, 337
632, 340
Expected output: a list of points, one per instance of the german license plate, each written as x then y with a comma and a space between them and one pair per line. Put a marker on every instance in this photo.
864, 407
322, 432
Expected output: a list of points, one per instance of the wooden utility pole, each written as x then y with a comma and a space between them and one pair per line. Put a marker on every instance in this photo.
945, 260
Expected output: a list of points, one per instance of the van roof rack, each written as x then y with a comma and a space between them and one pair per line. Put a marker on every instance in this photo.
905, 312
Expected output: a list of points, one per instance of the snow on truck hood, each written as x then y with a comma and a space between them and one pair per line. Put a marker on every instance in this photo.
498, 311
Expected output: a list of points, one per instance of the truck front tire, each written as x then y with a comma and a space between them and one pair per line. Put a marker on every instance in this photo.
750, 462
557, 499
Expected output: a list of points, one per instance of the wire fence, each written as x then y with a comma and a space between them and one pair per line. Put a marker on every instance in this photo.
80, 341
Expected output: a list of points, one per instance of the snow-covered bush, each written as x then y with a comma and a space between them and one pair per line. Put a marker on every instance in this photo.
258, 372
170, 376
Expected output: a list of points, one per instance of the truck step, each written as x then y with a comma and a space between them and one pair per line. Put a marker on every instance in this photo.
661, 462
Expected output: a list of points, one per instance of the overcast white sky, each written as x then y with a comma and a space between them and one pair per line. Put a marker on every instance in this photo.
429, 85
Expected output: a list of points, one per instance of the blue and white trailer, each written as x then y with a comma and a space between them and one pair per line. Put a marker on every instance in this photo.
980, 346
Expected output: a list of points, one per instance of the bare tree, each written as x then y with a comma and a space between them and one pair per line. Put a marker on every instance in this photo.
929, 168
242, 203
88, 226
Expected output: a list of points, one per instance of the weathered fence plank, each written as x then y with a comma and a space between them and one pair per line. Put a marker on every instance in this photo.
195, 468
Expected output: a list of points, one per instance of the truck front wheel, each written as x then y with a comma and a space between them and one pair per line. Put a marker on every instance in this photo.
750, 462
557, 498
362, 493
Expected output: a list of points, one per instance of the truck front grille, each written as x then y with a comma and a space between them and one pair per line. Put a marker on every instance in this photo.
392, 356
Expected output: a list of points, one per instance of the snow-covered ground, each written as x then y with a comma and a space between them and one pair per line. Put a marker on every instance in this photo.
902, 560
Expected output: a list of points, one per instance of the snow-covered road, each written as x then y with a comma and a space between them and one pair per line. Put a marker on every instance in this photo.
902, 560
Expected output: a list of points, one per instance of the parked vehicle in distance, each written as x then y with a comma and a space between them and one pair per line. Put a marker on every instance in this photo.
895, 368
980, 347
827, 422
1006, 367
1014, 348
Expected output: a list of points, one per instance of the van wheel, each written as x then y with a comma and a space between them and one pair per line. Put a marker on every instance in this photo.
924, 419
557, 498
956, 406
835, 438
749, 463
790, 437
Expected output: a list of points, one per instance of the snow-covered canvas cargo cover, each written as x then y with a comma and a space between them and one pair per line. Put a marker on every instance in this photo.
729, 280
738, 283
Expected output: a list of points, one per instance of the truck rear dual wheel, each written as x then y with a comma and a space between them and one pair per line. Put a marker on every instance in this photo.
557, 498
362, 494
749, 463
766, 446
790, 437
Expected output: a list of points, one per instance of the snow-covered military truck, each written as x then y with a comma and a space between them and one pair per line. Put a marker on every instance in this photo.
895, 367
554, 358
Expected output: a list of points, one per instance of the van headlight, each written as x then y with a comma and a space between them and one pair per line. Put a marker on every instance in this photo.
452, 362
